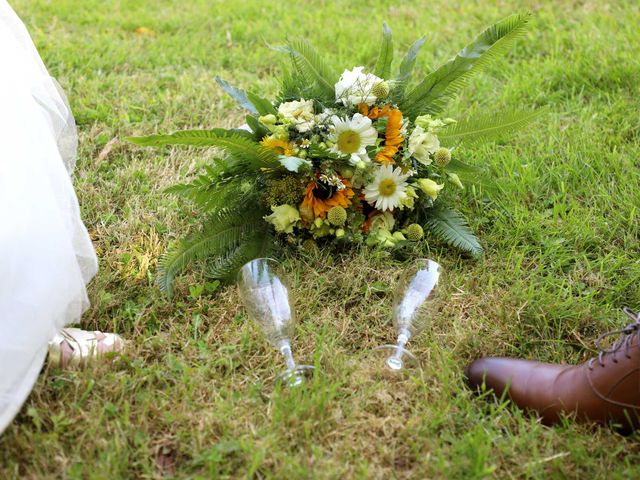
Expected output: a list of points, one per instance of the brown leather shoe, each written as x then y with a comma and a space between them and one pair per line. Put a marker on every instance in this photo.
604, 389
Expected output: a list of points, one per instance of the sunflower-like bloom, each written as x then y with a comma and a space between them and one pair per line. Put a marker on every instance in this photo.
393, 138
320, 198
281, 147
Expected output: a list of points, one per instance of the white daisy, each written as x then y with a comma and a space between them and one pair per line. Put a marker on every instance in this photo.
387, 188
352, 137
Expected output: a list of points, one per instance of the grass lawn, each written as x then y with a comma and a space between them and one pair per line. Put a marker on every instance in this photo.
193, 397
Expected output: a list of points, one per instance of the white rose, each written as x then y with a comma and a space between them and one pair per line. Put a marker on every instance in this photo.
299, 113
423, 144
356, 87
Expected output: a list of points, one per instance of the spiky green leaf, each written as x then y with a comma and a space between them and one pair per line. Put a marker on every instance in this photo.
452, 227
437, 88
383, 65
405, 71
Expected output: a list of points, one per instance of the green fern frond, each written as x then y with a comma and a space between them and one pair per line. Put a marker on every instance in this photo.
486, 127
225, 267
223, 233
292, 87
437, 88
212, 197
405, 72
452, 227
383, 65
244, 152
310, 66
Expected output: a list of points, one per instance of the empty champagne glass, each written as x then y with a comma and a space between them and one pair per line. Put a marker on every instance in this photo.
413, 305
266, 298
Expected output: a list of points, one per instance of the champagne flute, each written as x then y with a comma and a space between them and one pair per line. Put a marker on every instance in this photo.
414, 303
267, 301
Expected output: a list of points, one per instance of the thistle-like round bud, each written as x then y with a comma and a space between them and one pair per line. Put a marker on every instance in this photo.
443, 156
381, 90
414, 232
309, 246
337, 216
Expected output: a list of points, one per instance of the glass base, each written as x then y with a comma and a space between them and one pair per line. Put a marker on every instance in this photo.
296, 376
397, 358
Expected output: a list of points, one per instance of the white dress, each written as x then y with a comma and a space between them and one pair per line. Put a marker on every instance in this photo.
46, 256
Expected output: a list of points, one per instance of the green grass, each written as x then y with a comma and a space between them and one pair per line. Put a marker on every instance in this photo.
193, 396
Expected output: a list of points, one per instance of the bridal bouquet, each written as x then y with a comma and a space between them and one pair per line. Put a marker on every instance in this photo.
357, 157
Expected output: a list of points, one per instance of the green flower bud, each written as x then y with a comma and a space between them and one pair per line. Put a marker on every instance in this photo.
339, 233
268, 119
347, 172
429, 187
415, 232
309, 246
398, 237
442, 156
455, 179
337, 216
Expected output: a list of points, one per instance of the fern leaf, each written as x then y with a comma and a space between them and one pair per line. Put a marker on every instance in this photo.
241, 148
452, 227
310, 66
437, 88
485, 127
225, 267
383, 65
238, 95
405, 71
223, 233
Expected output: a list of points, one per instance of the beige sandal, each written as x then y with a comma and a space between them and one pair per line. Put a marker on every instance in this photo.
73, 347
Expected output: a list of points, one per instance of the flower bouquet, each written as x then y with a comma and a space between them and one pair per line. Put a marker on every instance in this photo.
360, 157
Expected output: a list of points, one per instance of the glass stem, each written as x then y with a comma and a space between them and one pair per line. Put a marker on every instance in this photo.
285, 349
403, 338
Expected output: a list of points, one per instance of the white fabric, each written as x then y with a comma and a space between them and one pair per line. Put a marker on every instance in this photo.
46, 255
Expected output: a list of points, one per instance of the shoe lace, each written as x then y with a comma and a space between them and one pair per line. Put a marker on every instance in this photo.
626, 337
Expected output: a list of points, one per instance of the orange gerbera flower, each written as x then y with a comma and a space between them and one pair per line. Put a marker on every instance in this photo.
393, 139
320, 200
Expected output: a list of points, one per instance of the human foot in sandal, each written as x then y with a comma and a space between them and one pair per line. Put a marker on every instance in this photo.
73, 347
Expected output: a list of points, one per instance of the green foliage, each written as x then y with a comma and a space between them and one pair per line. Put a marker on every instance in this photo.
472, 175
230, 237
311, 73
258, 129
432, 94
383, 65
486, 127
262, 105
244, 154
452, 227
405, 71
237, 94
